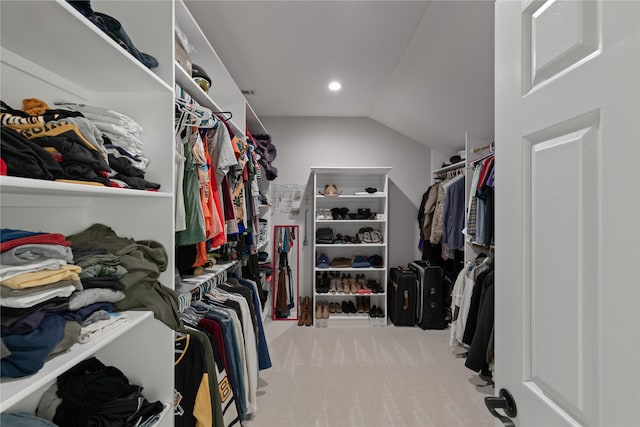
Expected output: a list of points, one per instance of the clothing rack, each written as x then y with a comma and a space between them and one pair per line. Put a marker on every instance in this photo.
193, 288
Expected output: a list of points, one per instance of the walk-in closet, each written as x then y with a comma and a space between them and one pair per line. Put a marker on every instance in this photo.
220, 213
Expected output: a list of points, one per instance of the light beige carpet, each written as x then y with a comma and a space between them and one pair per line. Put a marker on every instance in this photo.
366, 377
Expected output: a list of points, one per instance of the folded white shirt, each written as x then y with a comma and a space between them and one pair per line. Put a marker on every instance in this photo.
94, 330
37, 297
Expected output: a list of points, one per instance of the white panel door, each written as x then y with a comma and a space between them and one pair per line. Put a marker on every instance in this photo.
567, 334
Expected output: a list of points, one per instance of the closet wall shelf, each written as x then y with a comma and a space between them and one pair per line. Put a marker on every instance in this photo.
349, 269
188, 84
349, 245
320, 295
480, 245
16, 389
350, 221
352, 171
254, 124
190, 283
352, 196
223, 89
196, 92
454, 166
17, 185
59, 21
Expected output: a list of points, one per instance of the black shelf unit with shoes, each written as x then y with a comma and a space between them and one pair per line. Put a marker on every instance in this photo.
350, 226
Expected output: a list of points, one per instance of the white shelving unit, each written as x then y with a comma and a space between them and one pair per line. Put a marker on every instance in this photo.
85, 65
88, 67
350, 181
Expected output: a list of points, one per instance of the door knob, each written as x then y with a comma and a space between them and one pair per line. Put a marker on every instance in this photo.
505, 402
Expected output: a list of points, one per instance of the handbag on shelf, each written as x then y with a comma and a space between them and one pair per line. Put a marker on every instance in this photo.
324, 235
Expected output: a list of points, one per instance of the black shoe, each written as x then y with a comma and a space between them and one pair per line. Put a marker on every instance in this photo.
352, 307
373, 312
374, 286
380, 313
345, 307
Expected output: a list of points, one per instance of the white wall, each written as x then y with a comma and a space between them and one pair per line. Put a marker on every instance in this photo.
303, 142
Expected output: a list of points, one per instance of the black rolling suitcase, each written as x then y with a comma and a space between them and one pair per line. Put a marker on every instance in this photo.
430, 307
402, 297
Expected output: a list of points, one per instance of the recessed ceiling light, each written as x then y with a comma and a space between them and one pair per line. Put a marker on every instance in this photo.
335, 86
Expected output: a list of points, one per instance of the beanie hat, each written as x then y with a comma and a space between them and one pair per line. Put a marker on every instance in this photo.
34, 106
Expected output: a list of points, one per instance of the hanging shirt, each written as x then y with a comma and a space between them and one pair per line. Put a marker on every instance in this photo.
195, 231
454, 214
193, 404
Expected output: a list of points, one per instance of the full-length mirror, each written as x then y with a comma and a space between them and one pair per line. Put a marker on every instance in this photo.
286, 261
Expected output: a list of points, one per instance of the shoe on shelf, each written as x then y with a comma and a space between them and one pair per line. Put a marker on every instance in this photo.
366, 304
374, 286
318, 283
318, 311
333, 284
345, 307
364, 288
332, 307
352, 307
380, 313
353, 284
308, 317
325, 310
303, 310
338, 307
373, 311
346, 286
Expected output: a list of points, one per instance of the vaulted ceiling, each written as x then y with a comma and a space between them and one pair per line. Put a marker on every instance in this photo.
422, 68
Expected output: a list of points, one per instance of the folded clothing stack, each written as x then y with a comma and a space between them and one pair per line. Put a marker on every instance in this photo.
123, 144
75, 143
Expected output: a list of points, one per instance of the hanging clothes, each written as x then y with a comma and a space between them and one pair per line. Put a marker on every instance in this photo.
462, 294
481, 352
481, 208
192, 383
453, 214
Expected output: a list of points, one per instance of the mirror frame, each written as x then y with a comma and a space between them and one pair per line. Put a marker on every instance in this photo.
294, 265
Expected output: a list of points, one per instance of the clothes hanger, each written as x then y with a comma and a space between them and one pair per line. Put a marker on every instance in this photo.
202, 117
478, 160
216, 295
222, 113
190, 317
